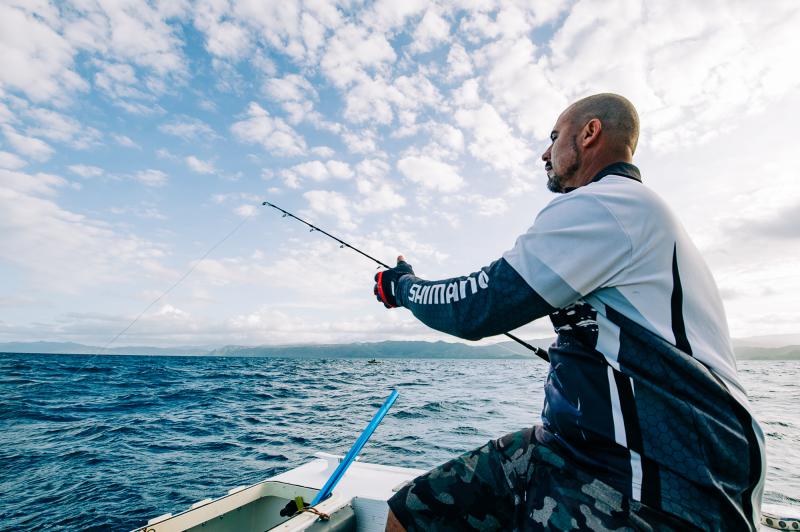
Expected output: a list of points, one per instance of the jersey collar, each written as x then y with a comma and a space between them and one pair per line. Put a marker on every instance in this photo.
621, 169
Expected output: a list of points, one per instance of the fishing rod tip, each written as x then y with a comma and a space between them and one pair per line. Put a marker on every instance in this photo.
264, 203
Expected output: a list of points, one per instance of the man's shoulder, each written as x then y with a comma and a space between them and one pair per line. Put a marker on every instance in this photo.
624, 197
620, 196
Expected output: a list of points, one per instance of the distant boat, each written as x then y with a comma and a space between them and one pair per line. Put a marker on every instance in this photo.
372, 361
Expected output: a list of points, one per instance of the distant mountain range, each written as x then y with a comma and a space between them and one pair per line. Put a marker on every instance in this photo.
761, 348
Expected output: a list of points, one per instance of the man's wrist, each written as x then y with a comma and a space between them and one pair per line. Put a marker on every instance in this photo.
400, 293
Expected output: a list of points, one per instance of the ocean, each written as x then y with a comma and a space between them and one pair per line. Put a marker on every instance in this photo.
107, 442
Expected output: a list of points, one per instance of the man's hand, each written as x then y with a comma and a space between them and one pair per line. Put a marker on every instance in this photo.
386, 282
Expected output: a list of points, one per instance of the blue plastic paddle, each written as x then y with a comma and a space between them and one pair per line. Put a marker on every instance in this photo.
337, 475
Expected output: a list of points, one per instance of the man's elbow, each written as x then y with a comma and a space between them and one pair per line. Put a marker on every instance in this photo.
470, 333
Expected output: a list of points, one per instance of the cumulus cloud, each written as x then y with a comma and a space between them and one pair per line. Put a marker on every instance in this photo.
274, 134
37, 60
292, 87
684, 90
59, 127
224, 38
493, 141
188, 128
246, 210
330, 203
85, 170
61, 249
30, 147
431, 30
353, 52
431, 173
362, 142
11, 161
458, 62
151, 178
124, 140
319, 171
200, 166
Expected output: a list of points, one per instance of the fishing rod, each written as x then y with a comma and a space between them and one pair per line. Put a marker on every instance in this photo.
541, 353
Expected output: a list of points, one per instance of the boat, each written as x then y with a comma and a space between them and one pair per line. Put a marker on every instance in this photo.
358, 503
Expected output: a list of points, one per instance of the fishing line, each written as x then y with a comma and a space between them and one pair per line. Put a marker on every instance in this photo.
179, 281
541, 353
170, 289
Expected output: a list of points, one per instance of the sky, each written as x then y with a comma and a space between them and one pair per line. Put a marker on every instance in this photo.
135, 136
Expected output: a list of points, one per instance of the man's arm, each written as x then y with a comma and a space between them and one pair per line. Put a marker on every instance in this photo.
492, 301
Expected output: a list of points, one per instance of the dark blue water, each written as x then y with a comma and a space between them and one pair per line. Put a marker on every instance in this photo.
105, 443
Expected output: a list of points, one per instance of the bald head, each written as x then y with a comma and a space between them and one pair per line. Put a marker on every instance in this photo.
619, 119
588, 136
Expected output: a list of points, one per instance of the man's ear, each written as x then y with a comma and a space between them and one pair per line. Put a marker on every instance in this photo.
591, 132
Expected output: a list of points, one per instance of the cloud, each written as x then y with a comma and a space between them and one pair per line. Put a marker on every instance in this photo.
119, 81
246, 210
362, 142
136, 32
275, 135
431, 30
292, 87
224, 38
59, 249
458, 62
514, 74
374, 99
782, 225
151, 178
353, 52
468, 94
693, 67
84, 170
31, 147
323, 151
295, 94
493, 141
319, 171
59, 127
315, 170
330, 203
377, 196
37, 61
11, 161
479, 204
144, 210
201, 167
188, 128
124, 140
431, 173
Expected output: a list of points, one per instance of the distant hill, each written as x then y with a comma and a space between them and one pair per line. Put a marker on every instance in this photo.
772, 340
389, 349
789, 352
71, 348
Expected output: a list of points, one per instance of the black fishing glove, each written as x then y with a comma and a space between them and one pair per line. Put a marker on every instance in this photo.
387, 282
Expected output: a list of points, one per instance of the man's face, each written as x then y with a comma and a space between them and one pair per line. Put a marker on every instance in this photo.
562, 158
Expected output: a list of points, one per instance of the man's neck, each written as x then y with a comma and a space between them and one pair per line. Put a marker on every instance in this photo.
594, 164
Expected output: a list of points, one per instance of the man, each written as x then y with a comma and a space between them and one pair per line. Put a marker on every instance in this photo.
645, 424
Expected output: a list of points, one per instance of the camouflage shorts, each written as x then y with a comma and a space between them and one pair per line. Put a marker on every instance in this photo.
515, 483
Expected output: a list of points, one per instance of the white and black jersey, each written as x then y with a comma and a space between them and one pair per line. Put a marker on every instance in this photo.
642, 389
